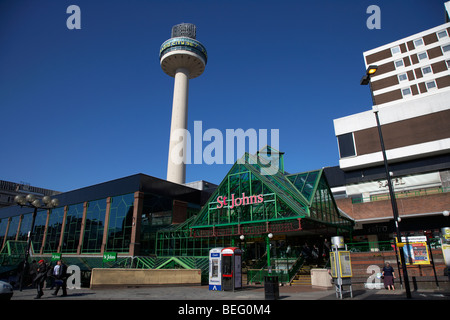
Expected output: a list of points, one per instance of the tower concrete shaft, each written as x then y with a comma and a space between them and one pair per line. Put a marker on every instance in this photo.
184, 58
176, 170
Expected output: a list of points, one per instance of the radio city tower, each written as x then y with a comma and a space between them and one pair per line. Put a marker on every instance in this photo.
184, 58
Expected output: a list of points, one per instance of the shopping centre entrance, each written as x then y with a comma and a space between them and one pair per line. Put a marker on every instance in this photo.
278, 220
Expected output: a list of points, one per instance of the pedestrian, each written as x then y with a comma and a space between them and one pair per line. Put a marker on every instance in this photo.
60, 274
41, 275
326, 249
388, 276
33, 272
306, 252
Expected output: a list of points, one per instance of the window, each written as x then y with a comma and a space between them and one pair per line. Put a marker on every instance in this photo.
448, 64
54, 230
72, 229
399, 63
446, 48
431, 85
94, 226
418, 42
442, 34
422, 56
395, 50
426, 70
120, 223
346, 145
406, 92
402, 77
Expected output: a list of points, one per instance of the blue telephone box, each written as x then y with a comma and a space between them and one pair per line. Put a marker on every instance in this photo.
215, 269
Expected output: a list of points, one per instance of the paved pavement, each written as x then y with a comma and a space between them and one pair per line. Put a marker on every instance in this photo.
247, 293
196, 302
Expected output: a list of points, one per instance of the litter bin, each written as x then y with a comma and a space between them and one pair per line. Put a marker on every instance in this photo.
271, 288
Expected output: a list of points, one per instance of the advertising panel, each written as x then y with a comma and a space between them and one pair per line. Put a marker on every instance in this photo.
345, 264
416, 253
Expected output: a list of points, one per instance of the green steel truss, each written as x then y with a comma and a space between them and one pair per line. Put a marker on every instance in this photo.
275, 203
292, 202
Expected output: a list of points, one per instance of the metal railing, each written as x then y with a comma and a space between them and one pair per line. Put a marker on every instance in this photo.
402, 194
284, 275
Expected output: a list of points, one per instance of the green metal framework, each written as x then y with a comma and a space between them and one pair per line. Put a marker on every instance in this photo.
299, 202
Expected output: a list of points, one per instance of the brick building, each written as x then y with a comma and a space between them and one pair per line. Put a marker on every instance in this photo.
411, 93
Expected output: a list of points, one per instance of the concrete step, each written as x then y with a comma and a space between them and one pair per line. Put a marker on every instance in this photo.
301, 280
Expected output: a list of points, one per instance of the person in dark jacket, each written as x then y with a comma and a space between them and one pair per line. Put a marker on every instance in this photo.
60, 275
39, 280
388, 276
33, 272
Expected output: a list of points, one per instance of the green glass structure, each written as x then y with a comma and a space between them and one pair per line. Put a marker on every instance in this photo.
153, 223
251, 203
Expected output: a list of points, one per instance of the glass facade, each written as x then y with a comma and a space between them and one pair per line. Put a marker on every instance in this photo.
39, 230
3, 226
54, 230
165, 225
25, 226
120, 223
71, 237
94, 226
119, 228
13, 225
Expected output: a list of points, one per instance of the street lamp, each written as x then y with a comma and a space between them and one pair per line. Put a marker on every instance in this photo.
269, 267
30, 201
366, 80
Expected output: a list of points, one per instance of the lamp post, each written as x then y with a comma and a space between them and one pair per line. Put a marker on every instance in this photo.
30, 201
366, 80
269, 267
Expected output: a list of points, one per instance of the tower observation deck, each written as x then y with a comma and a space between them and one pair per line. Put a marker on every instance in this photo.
182, 57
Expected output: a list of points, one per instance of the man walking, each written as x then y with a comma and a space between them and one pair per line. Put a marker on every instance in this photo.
60, 274
41, 275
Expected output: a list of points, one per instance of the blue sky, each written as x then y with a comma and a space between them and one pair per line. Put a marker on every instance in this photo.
81, 107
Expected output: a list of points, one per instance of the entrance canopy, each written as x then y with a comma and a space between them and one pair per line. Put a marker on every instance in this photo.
255, 199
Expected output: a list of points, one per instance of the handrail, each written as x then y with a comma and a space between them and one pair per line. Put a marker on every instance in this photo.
402, 194
298, 264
